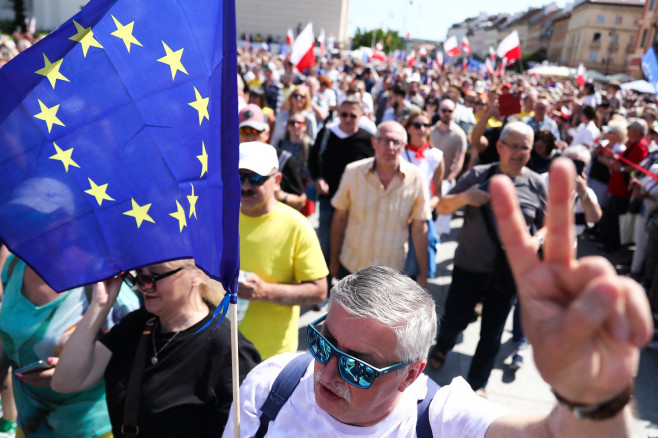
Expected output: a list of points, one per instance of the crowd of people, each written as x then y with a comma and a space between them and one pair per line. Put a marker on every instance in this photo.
386, 153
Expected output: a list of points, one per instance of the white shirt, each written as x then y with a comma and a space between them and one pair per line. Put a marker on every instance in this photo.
427, 165
455, 410
586, 134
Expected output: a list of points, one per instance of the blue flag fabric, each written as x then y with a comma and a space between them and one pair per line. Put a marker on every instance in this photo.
650, 68
119, 142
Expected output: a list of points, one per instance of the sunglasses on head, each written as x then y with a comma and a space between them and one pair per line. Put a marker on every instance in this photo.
254, 178
419, 125
354, 371
346, 115
147, 282
248, 130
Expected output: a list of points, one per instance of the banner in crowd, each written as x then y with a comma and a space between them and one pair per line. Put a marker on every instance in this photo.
119, 142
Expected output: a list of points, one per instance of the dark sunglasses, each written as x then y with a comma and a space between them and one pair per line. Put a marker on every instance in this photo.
419, 125
354, 371
248, 130
298, 96
346, 115
147, 282
254, 178
296, 122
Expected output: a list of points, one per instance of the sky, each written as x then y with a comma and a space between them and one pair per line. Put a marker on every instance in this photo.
427, 19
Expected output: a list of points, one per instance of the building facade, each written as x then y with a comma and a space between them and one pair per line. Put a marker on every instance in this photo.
647, 35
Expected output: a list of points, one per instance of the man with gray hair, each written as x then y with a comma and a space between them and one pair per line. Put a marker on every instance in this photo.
376, 201
481, 272
367, 377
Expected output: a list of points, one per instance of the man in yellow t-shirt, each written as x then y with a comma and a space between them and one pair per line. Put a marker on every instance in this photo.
279, 253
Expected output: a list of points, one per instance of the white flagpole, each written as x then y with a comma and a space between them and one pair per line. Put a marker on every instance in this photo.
233, 308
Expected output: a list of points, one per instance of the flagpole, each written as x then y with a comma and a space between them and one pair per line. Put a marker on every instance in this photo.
233, 307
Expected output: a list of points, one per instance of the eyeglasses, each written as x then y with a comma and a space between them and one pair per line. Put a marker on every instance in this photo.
397, 144
147, 282
517, 148
248, 130
346, 115
296, 122
298, 96
354, 371
419, 125
444, 110
254, 178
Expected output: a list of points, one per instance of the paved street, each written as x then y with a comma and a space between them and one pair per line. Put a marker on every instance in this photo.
523, 391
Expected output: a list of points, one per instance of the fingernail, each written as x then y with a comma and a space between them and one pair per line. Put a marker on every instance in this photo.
50, 360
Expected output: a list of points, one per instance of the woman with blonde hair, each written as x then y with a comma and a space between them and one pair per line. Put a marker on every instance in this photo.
185, 361
298, 101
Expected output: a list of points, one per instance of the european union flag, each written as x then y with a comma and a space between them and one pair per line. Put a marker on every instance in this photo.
119, 142
650, 67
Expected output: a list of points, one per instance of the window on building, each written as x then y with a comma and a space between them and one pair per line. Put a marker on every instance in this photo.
593, 54
614, 38
597, 37
618, 19
600, 18
652, 4
644, 37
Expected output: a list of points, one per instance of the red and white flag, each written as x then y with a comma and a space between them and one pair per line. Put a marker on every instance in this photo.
490, 67
321, 41
565, 112
501, 67
492, 53
580, 76
422, 52
510, 47
438, 61
450, 47
379, 46
411, 58
466, 46
465, 64
302, 54
378, 55
289, 37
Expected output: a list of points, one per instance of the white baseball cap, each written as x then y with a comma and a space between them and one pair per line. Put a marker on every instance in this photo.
258, 157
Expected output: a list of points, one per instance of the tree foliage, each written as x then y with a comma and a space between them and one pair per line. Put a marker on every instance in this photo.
389, 38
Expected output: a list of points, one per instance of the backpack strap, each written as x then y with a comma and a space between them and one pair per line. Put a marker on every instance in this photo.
282, 388
423, 426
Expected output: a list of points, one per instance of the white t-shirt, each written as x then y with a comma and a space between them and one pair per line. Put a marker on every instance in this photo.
455, 410
427, 165
586, 134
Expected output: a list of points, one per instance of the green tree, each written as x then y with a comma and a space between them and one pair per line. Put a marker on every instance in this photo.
19, 14
390, 39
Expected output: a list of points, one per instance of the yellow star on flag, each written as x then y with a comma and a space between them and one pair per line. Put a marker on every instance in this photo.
204, 159
99, 192
173, 60
125, 33
179, 214
201, 105
49, 115
64, 157
192, 200
139, 212
85, 37
51, 71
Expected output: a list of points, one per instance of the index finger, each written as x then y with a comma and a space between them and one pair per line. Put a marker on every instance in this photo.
559, 221
520, 250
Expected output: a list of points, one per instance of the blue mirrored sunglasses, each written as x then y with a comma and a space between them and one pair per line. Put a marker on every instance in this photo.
354, 371
254, 178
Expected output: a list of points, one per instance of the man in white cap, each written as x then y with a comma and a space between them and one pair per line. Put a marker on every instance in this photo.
279, 253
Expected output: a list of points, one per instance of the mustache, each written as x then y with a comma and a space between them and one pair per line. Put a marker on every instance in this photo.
340, 390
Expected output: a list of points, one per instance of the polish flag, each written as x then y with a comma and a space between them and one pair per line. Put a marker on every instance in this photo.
465, 64
378, 55
490, 67
289, 37
492, 53
501, 69
580, 76
438, 61
450, 47
422, 52
510, 47
565, 112
466, 46
411, 59
302, 55
321, 41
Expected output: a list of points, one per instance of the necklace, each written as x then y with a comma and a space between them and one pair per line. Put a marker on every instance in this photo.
154, 358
